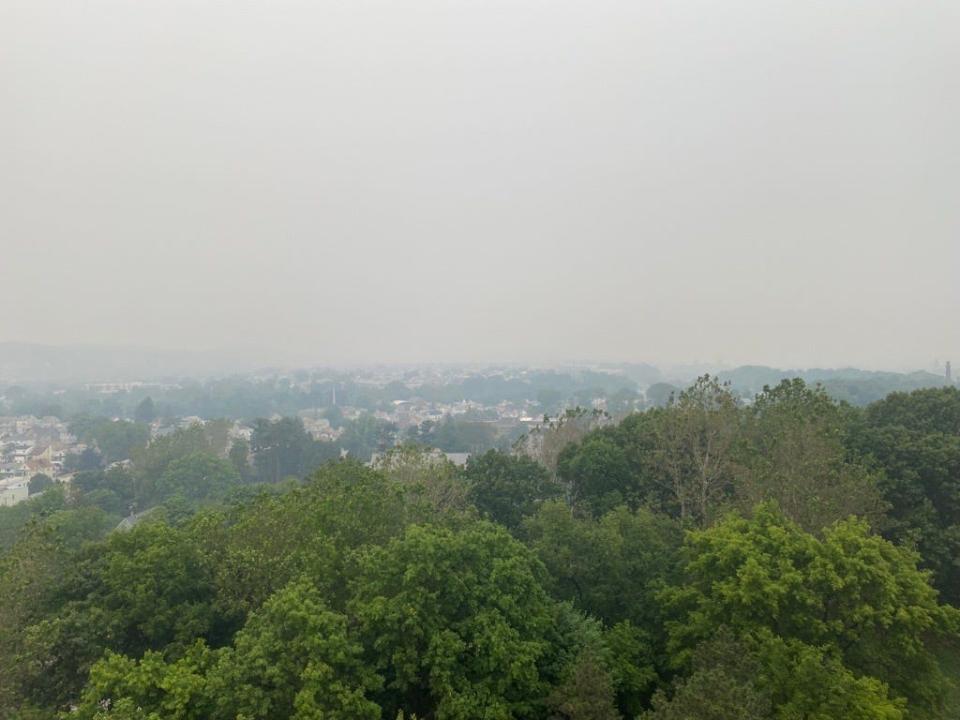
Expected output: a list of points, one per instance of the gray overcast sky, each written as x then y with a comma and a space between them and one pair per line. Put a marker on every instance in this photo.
765, 182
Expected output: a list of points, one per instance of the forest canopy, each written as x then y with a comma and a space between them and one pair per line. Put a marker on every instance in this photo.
789, 558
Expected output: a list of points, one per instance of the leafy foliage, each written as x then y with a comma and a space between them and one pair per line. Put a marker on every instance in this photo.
507, 488
284, 449
455, 621
115, 439
851, 595
795, 454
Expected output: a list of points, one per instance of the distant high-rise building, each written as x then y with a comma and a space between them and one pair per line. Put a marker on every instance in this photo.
949, 374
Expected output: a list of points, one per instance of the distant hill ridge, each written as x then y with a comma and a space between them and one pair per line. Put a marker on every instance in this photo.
858, 387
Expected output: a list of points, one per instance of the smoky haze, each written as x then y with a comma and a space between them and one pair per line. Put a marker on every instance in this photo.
765, 182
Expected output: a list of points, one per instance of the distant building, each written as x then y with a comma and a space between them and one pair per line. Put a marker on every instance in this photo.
40, 460
14, 491
434, 455
458, 459
949, 373
131, 520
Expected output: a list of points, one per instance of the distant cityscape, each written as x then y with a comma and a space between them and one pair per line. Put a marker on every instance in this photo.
458, 410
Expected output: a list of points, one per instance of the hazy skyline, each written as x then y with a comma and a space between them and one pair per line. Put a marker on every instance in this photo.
328, 182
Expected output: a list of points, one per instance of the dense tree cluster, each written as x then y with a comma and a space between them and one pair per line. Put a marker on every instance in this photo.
791, 558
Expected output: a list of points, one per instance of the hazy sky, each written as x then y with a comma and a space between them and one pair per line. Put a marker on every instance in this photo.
765, 182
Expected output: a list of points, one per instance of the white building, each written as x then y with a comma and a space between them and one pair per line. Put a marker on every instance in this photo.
13, 491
